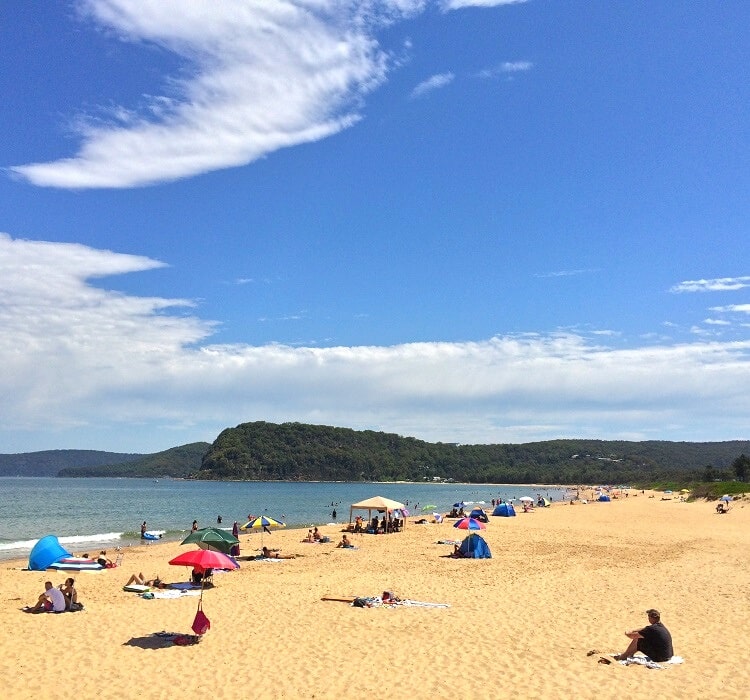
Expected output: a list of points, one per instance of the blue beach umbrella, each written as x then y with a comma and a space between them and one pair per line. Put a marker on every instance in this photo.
726, 498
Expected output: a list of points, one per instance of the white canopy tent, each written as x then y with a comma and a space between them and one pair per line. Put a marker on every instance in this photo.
378, 503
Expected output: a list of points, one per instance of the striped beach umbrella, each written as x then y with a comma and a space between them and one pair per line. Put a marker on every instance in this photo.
262, 523
469, 524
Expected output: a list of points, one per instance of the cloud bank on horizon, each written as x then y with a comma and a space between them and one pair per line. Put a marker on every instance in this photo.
94, 358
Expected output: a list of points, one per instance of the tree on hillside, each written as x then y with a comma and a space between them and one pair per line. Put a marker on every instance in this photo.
741, 465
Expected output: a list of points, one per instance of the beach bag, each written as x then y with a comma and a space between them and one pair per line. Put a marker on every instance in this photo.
201, 624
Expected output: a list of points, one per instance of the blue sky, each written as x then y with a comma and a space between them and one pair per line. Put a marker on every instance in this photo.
466, 221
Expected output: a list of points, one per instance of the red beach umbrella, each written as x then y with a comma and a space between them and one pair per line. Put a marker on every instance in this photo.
203, 559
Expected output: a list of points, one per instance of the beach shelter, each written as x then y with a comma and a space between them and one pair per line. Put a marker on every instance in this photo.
45, 552
504, 510
479, 514
474, 547
376, 503
603, 497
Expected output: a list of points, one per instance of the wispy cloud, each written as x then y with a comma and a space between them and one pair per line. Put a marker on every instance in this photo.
721, 284
564, 273
457, 4
506, 68
95, 364
434, 82
732, 308
264, 75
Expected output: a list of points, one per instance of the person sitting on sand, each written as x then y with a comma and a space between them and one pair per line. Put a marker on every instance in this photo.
202, 577
316, 534
654, 640
721, 507
102, 560
52, 600
268, 554
140, 579
69, 591
345, 542
309, 537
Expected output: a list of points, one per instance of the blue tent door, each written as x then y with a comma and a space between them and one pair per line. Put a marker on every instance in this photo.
474, 547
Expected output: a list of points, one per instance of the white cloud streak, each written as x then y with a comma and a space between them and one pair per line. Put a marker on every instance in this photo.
721, 284
732, 308
507, 68
265, 74
139, 374
434, 82
458, 4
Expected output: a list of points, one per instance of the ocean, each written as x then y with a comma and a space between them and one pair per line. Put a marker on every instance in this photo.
94, 514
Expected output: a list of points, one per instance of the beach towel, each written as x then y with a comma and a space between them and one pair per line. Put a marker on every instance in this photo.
174, 593
648, 663
421, 604
377, 602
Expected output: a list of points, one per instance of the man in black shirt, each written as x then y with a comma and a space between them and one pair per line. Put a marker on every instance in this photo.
653, 640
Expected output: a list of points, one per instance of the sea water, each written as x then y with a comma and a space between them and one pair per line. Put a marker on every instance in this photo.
101, 513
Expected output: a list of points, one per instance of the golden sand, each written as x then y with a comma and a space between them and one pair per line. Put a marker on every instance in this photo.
563, 581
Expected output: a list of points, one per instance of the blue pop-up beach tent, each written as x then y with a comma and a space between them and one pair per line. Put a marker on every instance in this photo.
45, 552
603, 498
474, 547
504, 510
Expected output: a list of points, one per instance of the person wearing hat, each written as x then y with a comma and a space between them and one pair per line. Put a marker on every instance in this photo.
654, 640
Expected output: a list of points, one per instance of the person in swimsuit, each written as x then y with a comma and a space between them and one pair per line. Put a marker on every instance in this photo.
268, 554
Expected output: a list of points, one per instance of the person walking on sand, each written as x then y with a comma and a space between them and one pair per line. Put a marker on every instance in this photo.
654, 640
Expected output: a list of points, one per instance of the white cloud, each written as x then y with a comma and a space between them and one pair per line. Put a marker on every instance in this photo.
721, 284
508, 68
564, 273
83, 364
732, 308
457, 4
434, 82
264, 75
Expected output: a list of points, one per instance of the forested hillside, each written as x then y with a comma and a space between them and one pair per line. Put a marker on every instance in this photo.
50, 462
302, 452
176, 462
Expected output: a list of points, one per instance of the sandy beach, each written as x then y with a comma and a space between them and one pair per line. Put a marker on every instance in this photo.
563, 581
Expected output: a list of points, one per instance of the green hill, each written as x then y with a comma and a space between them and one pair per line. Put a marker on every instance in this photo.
302, 452
176, 462
50, 462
